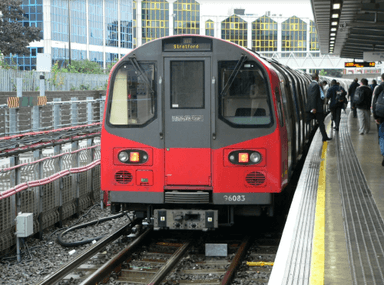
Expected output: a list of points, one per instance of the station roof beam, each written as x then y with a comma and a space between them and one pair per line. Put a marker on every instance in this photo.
349, 27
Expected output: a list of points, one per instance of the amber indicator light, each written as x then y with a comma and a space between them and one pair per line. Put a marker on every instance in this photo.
243, 157
134, 157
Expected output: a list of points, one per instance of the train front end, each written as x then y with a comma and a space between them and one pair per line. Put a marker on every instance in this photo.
193, 135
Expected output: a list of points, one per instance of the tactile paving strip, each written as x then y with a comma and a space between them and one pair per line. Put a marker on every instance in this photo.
364, 227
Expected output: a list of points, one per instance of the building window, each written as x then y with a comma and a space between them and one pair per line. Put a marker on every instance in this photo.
209, 28
126, 33
111, 23
95, 8
264, 35
234, 29
187, 17
96, 56
155, 19
33, 12
313, 40
24, 62
294, 36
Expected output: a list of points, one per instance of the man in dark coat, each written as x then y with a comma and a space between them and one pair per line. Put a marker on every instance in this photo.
379, 120
314, 107
351, 92
364, 108
337, 95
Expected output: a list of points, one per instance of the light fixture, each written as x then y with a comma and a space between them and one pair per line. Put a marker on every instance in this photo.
333, 34
331, 45
334, 23
336, 6
333, 29
332, 38
335, 16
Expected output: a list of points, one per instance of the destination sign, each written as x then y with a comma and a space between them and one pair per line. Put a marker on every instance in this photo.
360, 64
187, 44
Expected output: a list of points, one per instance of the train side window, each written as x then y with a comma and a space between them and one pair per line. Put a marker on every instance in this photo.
244, 95
187, 84
279, 107
133, 95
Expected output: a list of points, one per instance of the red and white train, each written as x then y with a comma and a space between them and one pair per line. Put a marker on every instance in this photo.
199, 130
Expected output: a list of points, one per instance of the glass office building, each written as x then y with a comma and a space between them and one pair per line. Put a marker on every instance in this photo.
105, 30
100, 30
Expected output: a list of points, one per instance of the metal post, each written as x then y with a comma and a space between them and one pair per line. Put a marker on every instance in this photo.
15, 202
56, 114
19, 82
58, 184
76, 163
36, 118
76, 177
74, 116
90, 110
37, 154
42, 85
69, 31
101, 107
13, 121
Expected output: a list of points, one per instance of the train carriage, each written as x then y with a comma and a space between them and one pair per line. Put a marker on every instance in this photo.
198, 130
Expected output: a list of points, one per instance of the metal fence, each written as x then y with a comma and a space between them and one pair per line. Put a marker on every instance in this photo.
53, 81
49, 163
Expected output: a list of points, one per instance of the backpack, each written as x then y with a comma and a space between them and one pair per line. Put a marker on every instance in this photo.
358, 98
379, 106
340, 95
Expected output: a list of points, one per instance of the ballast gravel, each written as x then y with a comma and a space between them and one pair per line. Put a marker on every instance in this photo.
42, 257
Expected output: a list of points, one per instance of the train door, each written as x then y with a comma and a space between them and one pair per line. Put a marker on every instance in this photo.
187, 120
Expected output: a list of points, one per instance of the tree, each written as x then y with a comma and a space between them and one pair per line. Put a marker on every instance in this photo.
14, 37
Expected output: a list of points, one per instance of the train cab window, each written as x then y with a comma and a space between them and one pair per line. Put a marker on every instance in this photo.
244, 95
187, 84
133, 94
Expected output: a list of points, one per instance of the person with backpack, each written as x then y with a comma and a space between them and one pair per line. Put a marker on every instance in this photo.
337, 95
351, 92
362, 100
378, 113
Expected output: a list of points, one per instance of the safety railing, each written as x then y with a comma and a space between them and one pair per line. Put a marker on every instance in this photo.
49, 163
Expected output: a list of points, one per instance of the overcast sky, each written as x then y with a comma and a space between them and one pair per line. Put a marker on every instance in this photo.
300, 8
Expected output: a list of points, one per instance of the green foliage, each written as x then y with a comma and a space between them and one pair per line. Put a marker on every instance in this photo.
5, 65
322, 73
14, 37
83, 66
56, 79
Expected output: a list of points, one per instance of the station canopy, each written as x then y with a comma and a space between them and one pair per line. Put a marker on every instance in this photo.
350, 28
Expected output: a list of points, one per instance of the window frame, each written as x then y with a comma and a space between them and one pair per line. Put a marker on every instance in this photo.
110, 95
268, 94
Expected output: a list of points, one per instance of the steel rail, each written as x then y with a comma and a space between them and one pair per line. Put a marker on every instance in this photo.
230, 274
78, 260
171, 263
103, 272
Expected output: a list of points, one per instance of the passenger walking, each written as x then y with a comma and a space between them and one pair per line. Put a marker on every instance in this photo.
379, 118
362, 99
314, 107
325, 86
351, 92
337, 95
373, 85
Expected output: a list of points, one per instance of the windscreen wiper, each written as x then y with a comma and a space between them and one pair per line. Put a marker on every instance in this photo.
140, 72
234, 73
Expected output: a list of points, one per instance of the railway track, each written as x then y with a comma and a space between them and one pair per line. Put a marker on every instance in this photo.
150, 259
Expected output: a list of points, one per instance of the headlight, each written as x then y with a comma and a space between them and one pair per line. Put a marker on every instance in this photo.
255, 157
123, 156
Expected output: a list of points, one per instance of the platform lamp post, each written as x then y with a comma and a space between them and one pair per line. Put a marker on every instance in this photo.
69, 32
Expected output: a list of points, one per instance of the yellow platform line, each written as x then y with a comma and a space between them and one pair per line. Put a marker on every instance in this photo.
318, 248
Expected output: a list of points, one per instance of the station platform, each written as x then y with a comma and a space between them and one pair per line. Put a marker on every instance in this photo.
334, 232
